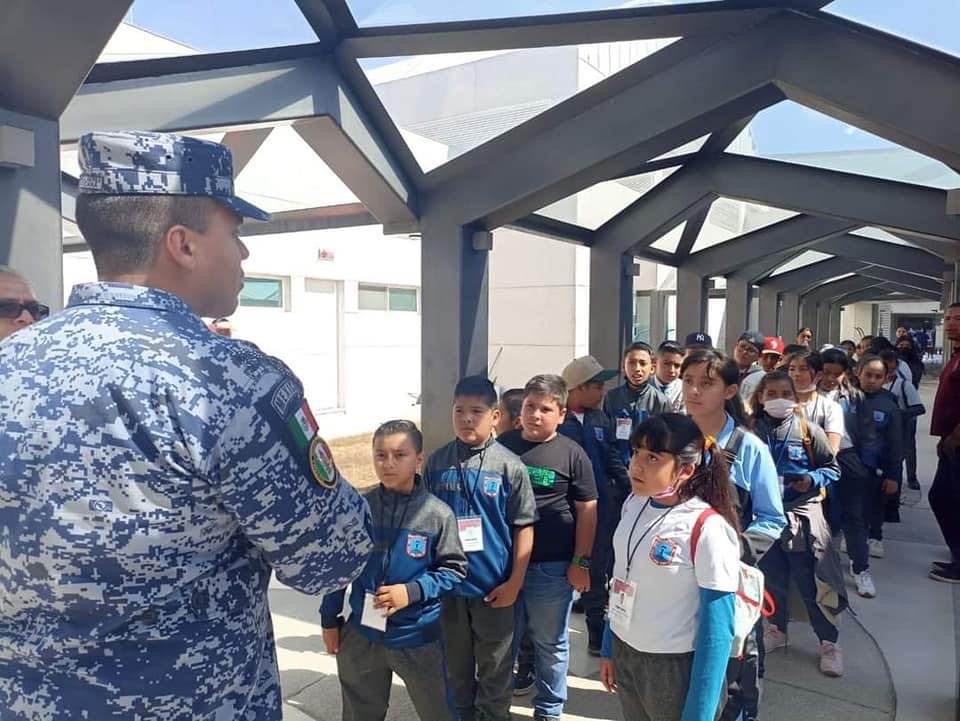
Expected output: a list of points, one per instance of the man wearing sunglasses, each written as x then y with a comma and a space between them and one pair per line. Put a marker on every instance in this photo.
154, 475
18, 306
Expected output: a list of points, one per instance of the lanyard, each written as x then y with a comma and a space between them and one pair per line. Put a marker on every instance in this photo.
462, 474
783, 446
636, 546
395, 527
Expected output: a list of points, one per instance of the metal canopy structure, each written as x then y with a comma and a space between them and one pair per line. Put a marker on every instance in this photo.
733, 59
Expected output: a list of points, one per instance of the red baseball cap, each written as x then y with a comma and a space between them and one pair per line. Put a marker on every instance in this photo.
773, 344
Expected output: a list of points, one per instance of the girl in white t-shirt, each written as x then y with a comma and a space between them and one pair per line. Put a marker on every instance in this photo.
670, 629
806, 371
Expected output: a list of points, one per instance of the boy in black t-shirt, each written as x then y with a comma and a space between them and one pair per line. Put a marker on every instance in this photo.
566, 495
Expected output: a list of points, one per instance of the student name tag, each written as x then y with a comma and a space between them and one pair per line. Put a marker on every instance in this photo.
624, 426
622, 594
373, 617
471, 534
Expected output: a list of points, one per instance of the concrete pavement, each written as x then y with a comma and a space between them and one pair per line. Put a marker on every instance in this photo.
900, 650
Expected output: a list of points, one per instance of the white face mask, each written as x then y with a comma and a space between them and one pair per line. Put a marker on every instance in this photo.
779, 408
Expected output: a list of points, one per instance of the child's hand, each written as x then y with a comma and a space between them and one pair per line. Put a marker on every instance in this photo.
503, 596
608, 675
392, 598
331, 639
890, 486
578, 577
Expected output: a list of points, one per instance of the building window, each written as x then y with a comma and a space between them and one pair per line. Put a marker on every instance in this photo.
262, 293
381, 297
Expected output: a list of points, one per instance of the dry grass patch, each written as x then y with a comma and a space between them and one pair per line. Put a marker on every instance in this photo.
354, 458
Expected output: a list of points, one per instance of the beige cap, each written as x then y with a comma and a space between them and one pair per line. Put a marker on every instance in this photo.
585, 369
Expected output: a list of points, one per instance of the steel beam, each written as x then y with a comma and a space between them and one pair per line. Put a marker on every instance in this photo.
282, 91
48, 47
691, 301
859, 199
809, 276
331, 20
634, 112
930, 285
554, 229
792, 234
706, 18
611, 304
658, 211
882, 253
348, 215
736, 310
769, 322
789, 315
760, 269
244, 144
903, 91
837, 288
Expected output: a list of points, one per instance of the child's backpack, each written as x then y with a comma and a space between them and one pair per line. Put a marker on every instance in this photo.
751, 600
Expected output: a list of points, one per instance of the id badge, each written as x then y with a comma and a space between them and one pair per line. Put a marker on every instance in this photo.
624, 427
622, 595
373, 617
471, 534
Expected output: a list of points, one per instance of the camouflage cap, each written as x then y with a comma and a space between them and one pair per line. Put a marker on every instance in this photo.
141, 163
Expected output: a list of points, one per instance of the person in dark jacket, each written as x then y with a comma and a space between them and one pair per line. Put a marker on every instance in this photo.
394, 625
806, 467
637, 399
871, 459
592, 429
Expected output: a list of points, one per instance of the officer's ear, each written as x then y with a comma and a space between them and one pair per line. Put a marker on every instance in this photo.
180, 245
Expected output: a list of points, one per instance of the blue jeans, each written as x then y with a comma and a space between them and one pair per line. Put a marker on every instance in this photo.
542, 613
861, 505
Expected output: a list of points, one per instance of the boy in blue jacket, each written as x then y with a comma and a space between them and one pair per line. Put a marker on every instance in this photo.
394, 625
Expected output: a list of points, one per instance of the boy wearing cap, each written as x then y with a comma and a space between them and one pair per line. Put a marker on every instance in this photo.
592, 429
746, 353
637, 399
666, 375
698, 341
772, 353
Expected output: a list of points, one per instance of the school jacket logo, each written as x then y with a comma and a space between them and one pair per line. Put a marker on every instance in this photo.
416, 545
491, 485
663, 551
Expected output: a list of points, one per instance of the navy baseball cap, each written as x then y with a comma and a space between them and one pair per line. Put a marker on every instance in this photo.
699, 340
140, 163
754, 338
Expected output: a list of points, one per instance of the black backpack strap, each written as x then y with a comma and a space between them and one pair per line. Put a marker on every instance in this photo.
732, 449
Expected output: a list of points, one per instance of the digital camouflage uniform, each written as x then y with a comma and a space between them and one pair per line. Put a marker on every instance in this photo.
152, 475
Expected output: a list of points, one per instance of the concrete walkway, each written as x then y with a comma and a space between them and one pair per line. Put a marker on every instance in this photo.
900, 650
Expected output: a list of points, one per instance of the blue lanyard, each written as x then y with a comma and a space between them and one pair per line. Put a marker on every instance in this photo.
783, 446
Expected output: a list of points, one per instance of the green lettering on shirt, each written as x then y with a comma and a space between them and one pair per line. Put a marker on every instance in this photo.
543, 477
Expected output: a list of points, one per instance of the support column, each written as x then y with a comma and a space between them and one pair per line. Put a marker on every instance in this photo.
454, 319
821, 333
31, 233
736, 309
834, 336
768, 322
691, 302
658, 317
808, 318
611, 304
789, 317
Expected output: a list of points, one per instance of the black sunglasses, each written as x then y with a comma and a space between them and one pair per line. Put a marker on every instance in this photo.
11, 309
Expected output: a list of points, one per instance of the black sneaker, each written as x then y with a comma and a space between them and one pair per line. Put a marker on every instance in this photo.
913, 484
947, 574
523, 681
577, 606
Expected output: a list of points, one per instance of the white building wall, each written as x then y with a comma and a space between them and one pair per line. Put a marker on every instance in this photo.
856, 321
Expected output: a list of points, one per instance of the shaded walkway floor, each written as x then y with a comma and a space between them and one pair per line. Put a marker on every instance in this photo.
900, 651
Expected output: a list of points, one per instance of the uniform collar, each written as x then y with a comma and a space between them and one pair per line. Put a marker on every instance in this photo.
128, 296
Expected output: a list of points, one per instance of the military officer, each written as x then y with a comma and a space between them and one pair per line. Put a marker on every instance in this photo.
18, 306
152, 473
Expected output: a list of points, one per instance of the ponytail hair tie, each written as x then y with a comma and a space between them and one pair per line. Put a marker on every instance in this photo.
709, 443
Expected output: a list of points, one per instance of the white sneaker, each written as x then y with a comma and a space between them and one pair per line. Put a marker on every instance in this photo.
875, 547
773, 638
865, 585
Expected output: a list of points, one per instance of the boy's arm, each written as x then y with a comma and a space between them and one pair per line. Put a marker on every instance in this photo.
584, 492
893, 456
915, 405
827, 470
449, 565
768, 520
331, 609
522, 514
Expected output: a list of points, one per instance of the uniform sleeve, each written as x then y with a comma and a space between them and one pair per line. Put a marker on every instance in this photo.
449, 566
583, 485
331, 608
717, 563
768, 519
833, 418
893, 448
827, 470
315, 534
615, 467
521, 505
710, 656
915, 405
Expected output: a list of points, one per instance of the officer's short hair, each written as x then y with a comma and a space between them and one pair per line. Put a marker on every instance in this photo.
547, 384
408, 428
124, 231
13, 273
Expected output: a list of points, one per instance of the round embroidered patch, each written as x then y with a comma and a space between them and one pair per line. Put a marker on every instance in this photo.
321, 463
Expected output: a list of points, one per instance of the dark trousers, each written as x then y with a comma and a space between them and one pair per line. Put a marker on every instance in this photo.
944, 497
743, 680
601, 568
862, 508
479, 658
366, 673
778, 567
651, 686
910, 447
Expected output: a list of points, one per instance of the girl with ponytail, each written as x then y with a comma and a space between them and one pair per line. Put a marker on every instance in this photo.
671, 611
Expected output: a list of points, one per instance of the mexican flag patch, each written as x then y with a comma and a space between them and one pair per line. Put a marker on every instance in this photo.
303, 426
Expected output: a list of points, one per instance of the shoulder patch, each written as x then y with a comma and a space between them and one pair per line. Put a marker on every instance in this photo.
302, 425
282, 396
321, 463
